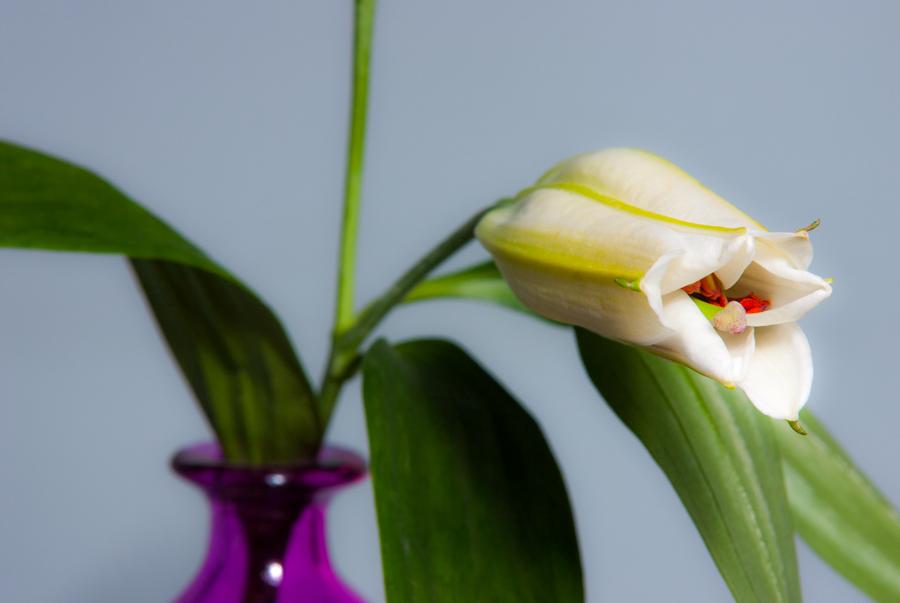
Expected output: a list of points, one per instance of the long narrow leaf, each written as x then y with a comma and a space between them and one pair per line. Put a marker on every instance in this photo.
834, 506
230, 345
840, 513
720, 456
471, 505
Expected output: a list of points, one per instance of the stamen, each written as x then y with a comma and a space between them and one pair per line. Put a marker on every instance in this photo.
708, 289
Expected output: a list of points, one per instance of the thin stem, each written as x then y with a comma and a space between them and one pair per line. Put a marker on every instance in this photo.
362, 44
344, 358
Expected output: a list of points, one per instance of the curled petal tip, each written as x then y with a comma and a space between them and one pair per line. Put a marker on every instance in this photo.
810, 227
796, 426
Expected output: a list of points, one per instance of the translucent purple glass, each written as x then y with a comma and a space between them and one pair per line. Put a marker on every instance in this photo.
267, 542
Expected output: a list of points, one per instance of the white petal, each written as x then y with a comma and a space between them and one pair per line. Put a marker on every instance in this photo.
651, 183
597, 304
698, 256
795, 246
792, 292
692, 340
567, 229
780, 374
560, 252
741, 348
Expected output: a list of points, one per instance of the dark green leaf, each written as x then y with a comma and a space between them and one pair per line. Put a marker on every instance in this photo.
238, 360
720, 455
839, 512
471, 505
231, 347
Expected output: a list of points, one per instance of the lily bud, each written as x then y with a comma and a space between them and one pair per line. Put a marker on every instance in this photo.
627, 245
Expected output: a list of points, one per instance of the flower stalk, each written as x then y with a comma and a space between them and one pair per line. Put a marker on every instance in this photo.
350, 330
362, 46
344, 356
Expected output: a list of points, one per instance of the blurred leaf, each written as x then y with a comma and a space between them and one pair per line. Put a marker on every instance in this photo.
238, 360
229, 344
720, 455
839, 512
479, 282
471, 505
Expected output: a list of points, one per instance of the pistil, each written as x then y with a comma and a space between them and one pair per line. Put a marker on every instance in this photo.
733, 319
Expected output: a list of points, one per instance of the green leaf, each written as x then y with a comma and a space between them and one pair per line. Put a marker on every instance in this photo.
839, 512
230, 345
237, 358
481, 282
835, 508
471, 505
720, 455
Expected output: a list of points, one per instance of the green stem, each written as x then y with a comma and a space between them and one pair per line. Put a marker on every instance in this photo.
362, 44
344, 358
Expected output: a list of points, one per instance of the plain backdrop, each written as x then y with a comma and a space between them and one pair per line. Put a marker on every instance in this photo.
227, 118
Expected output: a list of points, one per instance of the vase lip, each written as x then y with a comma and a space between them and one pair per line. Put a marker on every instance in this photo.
202, 463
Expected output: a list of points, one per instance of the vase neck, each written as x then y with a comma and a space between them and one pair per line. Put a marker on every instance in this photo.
267, 542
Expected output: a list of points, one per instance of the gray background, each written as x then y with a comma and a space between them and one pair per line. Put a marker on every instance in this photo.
228, 119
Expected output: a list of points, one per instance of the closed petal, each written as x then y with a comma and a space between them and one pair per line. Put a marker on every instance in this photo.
779, 377
561, 254
606, 237
588, 300
650, 182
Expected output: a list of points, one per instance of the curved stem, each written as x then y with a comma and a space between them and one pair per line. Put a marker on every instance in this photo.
344, 357
362, 43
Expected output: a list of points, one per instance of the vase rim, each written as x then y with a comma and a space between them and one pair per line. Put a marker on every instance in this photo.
334, 466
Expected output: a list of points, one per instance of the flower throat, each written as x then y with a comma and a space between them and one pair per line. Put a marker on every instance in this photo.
710, 290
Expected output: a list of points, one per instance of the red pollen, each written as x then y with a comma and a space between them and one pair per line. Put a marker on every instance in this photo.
752, 303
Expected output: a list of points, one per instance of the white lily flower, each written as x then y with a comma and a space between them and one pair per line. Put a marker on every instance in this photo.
626, 244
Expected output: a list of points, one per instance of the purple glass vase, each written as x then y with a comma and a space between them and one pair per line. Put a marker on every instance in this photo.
267, 538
